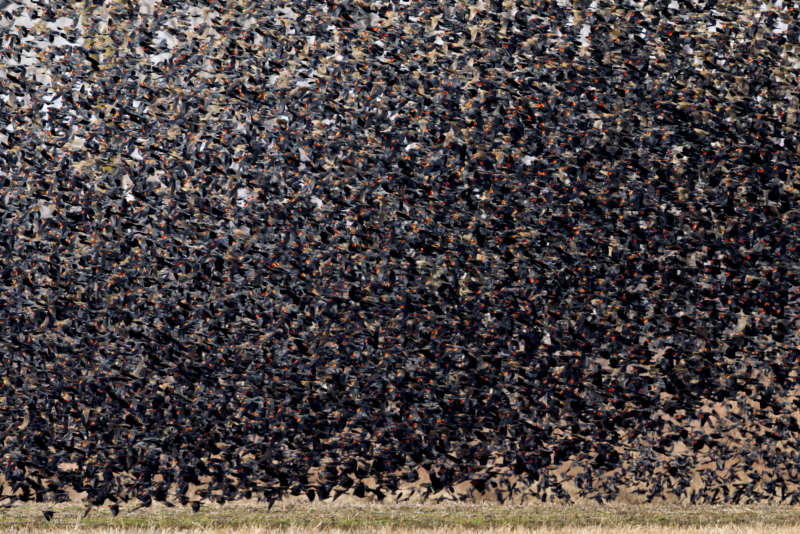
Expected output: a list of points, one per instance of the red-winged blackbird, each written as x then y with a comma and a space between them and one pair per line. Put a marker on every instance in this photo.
493, 242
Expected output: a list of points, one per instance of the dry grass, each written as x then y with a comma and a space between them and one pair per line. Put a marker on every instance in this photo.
631, 529
250, 518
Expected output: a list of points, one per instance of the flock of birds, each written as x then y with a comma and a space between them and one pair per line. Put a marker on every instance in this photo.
299, 247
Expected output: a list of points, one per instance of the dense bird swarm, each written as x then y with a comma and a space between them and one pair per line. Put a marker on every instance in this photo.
283, 248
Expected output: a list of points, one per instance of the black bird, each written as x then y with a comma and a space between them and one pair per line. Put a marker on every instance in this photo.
147, 501
464, 251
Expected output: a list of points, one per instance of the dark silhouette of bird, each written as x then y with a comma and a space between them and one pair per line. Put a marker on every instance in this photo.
491, 241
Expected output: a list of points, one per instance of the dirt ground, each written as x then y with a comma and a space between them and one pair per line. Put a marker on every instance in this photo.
249, 518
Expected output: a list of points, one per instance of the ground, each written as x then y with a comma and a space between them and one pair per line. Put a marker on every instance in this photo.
250, 518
